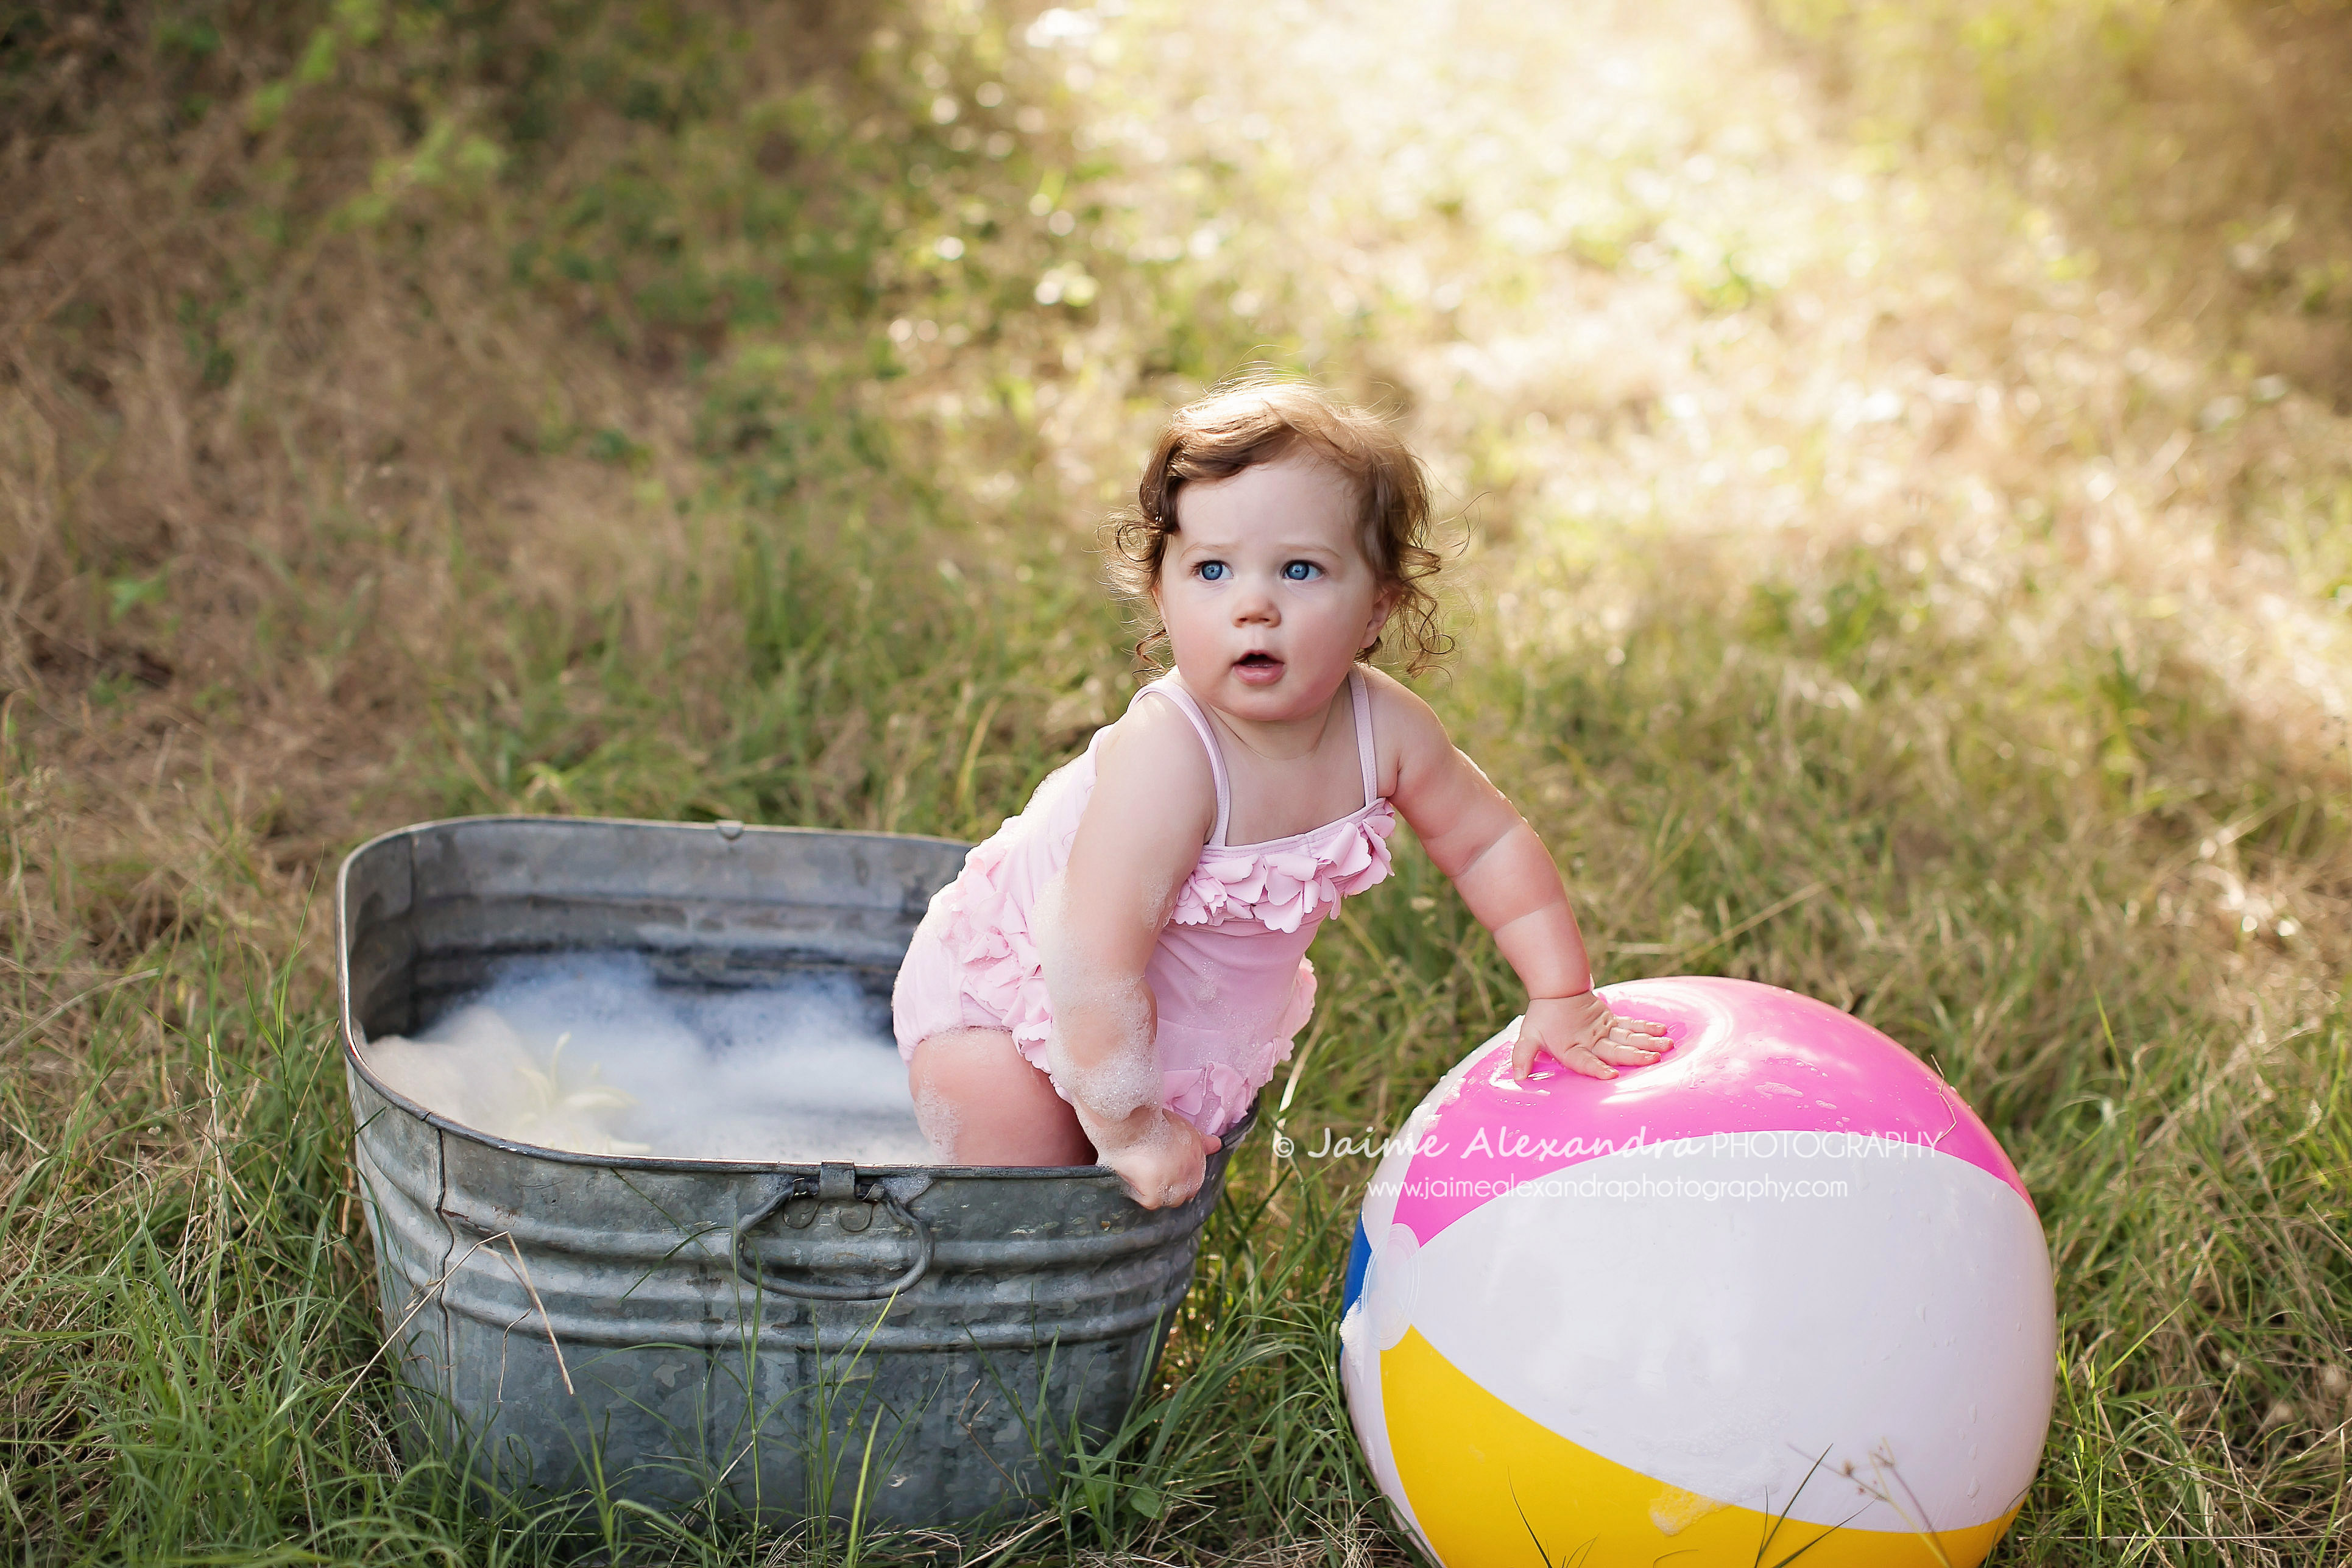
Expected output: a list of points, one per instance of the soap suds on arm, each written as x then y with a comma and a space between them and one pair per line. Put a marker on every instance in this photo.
1101, 1050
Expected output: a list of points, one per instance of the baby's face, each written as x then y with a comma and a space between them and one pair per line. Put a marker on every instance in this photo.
1264, 589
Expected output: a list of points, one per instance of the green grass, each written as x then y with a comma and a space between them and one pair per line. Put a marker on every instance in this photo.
471, 408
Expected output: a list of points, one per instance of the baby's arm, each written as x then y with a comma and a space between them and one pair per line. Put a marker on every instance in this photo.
1153, 805
1507, 876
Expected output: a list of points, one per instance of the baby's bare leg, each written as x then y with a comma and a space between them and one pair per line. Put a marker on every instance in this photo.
980, 1103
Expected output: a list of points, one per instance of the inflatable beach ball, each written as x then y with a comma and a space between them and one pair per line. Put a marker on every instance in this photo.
1779, 1295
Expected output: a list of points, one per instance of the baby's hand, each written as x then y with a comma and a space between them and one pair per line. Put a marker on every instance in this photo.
1159, 1156
1583, 1033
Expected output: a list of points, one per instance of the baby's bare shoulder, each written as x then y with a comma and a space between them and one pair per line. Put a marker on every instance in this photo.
1152, 761
1405, 729
1154, 804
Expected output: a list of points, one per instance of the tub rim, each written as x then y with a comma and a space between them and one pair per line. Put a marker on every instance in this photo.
354, 1059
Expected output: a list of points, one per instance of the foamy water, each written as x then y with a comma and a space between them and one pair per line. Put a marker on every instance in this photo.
585, 1053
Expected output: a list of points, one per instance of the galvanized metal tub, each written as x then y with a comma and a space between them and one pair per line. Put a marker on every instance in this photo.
906, 1345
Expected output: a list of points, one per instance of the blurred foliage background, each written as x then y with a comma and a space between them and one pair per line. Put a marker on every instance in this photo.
1900, 504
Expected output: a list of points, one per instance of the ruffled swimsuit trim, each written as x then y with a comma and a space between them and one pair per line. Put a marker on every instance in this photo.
1279, 884
1283, 882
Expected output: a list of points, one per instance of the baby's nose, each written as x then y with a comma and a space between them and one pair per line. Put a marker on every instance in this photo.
1255, 606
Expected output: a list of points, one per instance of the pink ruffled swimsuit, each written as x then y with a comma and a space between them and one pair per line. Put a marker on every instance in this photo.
1230, 975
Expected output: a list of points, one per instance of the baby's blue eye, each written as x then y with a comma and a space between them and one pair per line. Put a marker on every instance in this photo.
1212, 571
1301, 571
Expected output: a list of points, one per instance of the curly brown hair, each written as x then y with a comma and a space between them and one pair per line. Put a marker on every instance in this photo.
1261, 419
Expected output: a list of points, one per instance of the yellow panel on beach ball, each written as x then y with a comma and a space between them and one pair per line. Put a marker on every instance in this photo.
1491, 1488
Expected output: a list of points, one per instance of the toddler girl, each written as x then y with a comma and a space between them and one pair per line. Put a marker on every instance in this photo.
1117, 970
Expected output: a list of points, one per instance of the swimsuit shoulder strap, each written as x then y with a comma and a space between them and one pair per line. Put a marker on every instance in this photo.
1362, 691
1166, 685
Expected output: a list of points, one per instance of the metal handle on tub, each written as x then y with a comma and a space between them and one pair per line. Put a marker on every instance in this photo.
837, 1183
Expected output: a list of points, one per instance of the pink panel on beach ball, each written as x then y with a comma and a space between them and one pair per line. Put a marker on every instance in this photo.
1748, 1059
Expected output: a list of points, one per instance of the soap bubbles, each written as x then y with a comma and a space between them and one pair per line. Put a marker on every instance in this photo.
588, 1053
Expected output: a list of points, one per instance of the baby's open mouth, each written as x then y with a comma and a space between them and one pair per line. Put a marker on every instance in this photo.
1258, 667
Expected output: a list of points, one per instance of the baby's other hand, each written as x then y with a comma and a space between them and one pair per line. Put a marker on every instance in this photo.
1161, 1157
1583, 1034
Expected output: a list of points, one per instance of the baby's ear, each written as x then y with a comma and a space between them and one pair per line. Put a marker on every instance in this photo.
1384, 605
